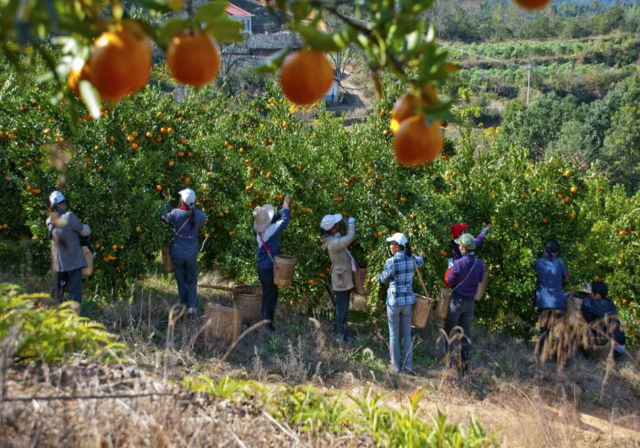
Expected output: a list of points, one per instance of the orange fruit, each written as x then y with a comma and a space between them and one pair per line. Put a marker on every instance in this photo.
79, 72
171, 163
532, 4
416, 142
120, 63
138, 229
114, 246
149, 134
193, 59
567, 199
159, 187
134, 146
306, 76
516, 226
407, 106
545, 221
574, 190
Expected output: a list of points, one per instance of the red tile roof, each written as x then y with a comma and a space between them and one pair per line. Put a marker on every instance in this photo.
234, 10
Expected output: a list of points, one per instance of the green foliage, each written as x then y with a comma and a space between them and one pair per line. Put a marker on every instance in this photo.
51, 334
308, 409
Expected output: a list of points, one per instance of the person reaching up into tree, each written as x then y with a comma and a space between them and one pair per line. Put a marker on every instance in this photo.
268, 224
464, 277
456, 231
186, 221
550, 296
398, 272
67, 259
342, 267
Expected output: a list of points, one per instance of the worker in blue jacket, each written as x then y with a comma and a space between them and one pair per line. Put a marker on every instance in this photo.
601, 313
550, 296
268, 225
186, 221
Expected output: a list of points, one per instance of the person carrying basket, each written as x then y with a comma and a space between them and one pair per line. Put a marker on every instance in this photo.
268, 224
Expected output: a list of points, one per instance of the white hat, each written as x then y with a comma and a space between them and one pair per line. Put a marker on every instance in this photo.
398, 238
188, 196
329, 221
262, 217
55, 198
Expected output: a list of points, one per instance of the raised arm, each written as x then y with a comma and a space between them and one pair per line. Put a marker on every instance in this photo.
336, 244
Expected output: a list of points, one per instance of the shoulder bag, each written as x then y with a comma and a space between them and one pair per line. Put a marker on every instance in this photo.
442, 309
167, 261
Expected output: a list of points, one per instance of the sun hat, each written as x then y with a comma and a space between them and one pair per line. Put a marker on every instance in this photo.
188, 196
262, 217
457, 229
329, 221
55, 198
467, 241
398, 238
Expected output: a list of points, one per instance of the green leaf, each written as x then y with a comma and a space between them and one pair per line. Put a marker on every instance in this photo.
91, 98
171, 28
155, 5
211, 12
319, 40
274, 62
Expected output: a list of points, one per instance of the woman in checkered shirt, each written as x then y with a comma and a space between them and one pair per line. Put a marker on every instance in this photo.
398, 272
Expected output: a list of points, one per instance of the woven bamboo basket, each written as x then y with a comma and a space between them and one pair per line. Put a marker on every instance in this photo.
167, 261
359, 280
599, 350
421, 310
284, 270
88, 258
223, 321
250, 300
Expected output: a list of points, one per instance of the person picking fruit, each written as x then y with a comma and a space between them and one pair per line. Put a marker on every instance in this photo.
268, 225
186, 221
342, 268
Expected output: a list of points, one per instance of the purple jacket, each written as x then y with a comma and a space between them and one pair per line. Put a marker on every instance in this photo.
455, 247
460, 283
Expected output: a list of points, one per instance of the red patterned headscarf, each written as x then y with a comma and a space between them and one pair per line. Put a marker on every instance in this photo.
457, 229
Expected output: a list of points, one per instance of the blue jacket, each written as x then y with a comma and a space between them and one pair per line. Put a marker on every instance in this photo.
185, 244
463, 280
270, 237
455, 247
550, 272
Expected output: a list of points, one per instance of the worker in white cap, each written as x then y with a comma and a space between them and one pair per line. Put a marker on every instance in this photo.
398, 272
342, 267
268, 224
186, 221
67, 259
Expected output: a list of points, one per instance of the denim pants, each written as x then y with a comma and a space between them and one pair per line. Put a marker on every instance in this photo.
399, 318
341, 327
186, 273
269, 293
460, 314
69, 282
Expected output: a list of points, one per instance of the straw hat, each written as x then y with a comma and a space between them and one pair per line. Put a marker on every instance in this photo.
262, 217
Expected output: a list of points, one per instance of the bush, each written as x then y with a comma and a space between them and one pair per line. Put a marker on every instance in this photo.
50, 334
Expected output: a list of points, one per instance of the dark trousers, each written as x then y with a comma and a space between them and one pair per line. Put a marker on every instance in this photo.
341, 327
186, 273
269, 293
460, 314
69, 282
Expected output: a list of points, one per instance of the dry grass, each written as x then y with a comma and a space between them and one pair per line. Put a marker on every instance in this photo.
528, 402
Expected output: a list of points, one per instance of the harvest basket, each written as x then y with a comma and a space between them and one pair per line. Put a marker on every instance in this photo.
359, 281
421, 310
250, 300
88, 258
284, 270
223, 321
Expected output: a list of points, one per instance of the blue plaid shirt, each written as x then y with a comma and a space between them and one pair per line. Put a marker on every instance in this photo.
398, 272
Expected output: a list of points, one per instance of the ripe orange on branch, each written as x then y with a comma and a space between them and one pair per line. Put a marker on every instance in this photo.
306, 76
120, 63
193, 58
407, 106
416, 142
533, 4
